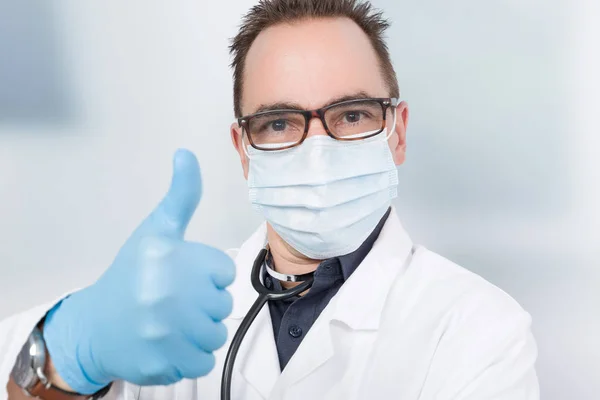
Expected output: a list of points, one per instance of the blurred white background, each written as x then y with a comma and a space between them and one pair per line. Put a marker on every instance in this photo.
502, 176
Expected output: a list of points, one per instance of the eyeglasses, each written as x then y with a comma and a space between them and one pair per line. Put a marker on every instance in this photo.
347, 120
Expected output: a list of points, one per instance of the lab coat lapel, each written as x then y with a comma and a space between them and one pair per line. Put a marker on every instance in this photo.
362, 297
257, 360
314, 351
357, 306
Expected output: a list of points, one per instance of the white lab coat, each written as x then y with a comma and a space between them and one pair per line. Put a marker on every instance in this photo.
424, 330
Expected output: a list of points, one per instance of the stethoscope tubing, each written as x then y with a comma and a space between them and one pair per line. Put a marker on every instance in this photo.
264, 295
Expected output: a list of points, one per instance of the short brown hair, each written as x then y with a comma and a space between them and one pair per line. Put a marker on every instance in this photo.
271, 12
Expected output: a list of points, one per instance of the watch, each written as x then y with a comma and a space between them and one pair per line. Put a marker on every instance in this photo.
28, 373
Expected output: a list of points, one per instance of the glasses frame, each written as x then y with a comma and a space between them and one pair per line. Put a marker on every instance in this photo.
385, 104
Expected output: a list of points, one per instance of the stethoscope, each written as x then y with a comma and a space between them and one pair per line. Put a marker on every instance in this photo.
264, 295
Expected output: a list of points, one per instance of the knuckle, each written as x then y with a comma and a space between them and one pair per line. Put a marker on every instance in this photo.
153, 294
210, 335
231, 269
223, 272
227, 304
155, 247
217, 256
205, 365
220, 337
152, 289
229, 301
153, 332
157, 372
228, 264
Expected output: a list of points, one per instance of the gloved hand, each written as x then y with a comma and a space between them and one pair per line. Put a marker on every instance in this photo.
154, 316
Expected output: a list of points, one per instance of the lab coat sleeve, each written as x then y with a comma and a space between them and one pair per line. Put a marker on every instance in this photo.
14, 332
488, 351
511, 377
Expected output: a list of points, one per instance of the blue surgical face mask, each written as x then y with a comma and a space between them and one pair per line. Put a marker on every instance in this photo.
324, 197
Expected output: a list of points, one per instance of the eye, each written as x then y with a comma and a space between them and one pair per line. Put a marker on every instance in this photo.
278, 125
352, 116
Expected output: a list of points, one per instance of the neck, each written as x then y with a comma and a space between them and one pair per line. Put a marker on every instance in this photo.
287, 260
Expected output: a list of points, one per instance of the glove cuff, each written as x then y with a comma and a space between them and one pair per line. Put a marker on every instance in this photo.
67, 352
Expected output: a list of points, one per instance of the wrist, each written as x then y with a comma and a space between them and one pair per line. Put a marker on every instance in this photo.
64, 345
54, 377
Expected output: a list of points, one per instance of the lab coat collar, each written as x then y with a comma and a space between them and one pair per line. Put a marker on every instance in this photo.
360, 301
262, 370
374, 275
358, 304
244, 293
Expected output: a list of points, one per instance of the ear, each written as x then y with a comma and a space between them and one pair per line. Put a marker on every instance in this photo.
237, 139
397, 141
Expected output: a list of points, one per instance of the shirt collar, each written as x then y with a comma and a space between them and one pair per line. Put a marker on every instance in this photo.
350, 262
385, 259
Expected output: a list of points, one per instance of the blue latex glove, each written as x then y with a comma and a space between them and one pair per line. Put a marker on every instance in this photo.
154, 316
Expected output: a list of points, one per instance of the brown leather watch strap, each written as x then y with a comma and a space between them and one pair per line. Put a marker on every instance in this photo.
53, 393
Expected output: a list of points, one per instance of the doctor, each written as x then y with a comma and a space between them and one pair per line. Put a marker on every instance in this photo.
319, 132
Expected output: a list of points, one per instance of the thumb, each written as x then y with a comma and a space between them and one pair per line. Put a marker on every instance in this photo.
172, 216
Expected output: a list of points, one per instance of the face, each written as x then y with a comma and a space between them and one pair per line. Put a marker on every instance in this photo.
310, 64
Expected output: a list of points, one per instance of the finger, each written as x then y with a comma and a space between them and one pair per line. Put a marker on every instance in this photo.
195, 363
172, 216
218, 303
207, 334
217, 264
156, 370
223, 271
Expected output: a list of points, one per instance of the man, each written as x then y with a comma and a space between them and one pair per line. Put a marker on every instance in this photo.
319, 132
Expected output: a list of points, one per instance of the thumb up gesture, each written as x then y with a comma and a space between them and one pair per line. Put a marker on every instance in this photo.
154, 317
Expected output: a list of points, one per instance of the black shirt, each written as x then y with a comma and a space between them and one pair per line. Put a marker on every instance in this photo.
293, 318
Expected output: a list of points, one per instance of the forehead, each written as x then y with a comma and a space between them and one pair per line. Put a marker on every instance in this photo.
310, 62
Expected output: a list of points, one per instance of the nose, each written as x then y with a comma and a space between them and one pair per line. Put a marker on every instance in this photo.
315, 127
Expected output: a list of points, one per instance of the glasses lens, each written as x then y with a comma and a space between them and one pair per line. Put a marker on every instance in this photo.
355, 119
275, 130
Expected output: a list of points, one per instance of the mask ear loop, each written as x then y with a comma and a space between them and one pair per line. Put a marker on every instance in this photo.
245, 148
389, 135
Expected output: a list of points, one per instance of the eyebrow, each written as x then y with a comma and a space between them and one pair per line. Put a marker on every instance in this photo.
295, 106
